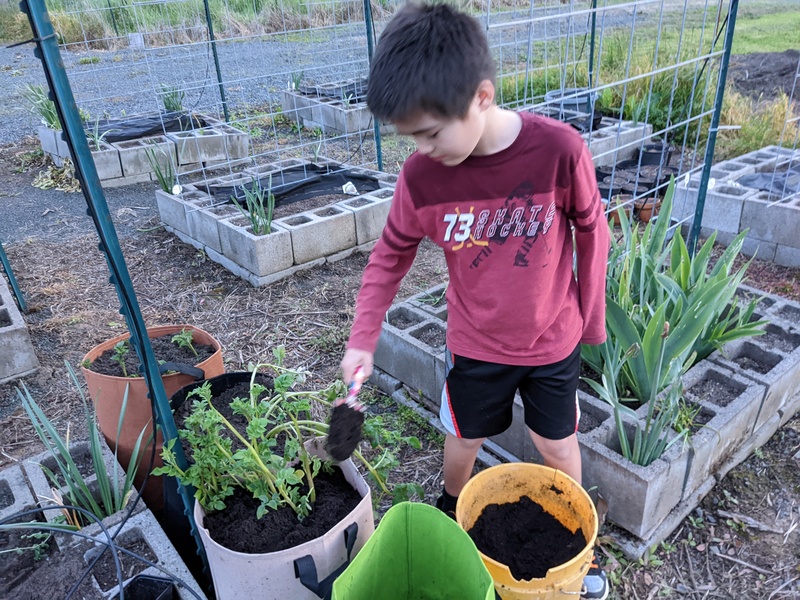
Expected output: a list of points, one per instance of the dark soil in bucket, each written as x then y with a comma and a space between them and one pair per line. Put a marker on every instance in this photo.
237, 527
164, 350
526, 538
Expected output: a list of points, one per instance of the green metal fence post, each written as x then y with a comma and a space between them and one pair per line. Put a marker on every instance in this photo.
12, 280
376, 125
213, 41
591, 44
712, 132
97, 208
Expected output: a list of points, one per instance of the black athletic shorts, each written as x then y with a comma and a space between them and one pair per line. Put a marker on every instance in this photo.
478, 397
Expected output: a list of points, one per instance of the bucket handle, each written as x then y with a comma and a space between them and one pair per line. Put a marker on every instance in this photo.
306, 571
198, 374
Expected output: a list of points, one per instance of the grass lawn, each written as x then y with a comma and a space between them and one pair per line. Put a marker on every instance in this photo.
774, 32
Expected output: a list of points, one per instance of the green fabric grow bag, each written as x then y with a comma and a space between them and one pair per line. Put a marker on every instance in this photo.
416, 553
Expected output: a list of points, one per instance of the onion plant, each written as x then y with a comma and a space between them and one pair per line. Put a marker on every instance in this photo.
114, 488
42, 106
277, 478
652, 280
259, 206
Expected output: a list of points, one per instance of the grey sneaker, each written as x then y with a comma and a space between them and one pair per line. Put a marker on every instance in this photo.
595, 584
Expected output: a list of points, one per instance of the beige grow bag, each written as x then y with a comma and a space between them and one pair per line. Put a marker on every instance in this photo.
272, 576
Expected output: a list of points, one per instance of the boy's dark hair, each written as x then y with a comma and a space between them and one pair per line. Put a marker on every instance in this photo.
430, 58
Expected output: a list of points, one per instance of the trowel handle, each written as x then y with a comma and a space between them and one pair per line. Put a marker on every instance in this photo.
355, 386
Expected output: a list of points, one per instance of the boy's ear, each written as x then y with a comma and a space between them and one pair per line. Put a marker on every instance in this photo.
485, 94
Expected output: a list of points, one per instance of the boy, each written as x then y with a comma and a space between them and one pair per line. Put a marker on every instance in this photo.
502, 194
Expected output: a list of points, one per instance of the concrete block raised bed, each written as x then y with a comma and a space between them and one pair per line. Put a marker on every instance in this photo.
14, 493
337, 115
17, 357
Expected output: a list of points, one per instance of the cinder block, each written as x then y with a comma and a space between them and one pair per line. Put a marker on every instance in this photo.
14, 493
330, 114
787, 256
43, 488
403, 355
318, 233
639, 498
123, 181
17, 357
133, 154
47, 138
790, 409
203, 220
261, 255
199, 145
173, 209
237, 142
776, 223
432, 301
760, 437
144, 528
370, 212
731, 424
777, 372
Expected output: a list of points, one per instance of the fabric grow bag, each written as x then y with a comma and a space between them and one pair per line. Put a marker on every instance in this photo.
416, 552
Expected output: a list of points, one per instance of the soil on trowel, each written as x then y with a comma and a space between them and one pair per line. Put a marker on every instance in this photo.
526, 538
164, 351
238, 529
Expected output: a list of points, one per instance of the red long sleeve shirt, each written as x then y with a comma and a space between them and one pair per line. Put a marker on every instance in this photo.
506, 223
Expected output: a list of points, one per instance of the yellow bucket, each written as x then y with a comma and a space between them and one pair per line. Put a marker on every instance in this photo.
559, 495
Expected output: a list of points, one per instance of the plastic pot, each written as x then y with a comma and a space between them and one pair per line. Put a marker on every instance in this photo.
107, 393
583, 100
655, 154
559, 495
645, 208
305, 572
416, 552
150, 587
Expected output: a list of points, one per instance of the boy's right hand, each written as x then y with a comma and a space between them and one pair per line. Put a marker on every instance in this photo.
356, 358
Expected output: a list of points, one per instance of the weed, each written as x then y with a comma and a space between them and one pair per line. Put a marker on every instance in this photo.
687, 415
89, 60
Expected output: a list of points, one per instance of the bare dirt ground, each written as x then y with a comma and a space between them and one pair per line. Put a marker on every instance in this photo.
764, 75
742, 542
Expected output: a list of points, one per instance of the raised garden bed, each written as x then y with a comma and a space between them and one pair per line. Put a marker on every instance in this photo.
738, 408
200, 142
339, 107
314, 220
732, 205
17, 357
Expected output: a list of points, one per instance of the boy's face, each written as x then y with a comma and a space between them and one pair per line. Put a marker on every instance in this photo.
445, 140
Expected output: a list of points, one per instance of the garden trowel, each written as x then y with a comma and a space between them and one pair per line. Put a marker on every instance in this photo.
344, 432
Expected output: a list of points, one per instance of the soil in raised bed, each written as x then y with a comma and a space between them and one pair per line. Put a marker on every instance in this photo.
105, 571
711, 390
751, 364
237, 527
164, 350
433, 337
401, 321
779, 341
588, 422
6, 495
526, 538
293, 208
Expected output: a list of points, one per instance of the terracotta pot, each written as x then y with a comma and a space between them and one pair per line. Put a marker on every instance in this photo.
646, 208
107, 393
